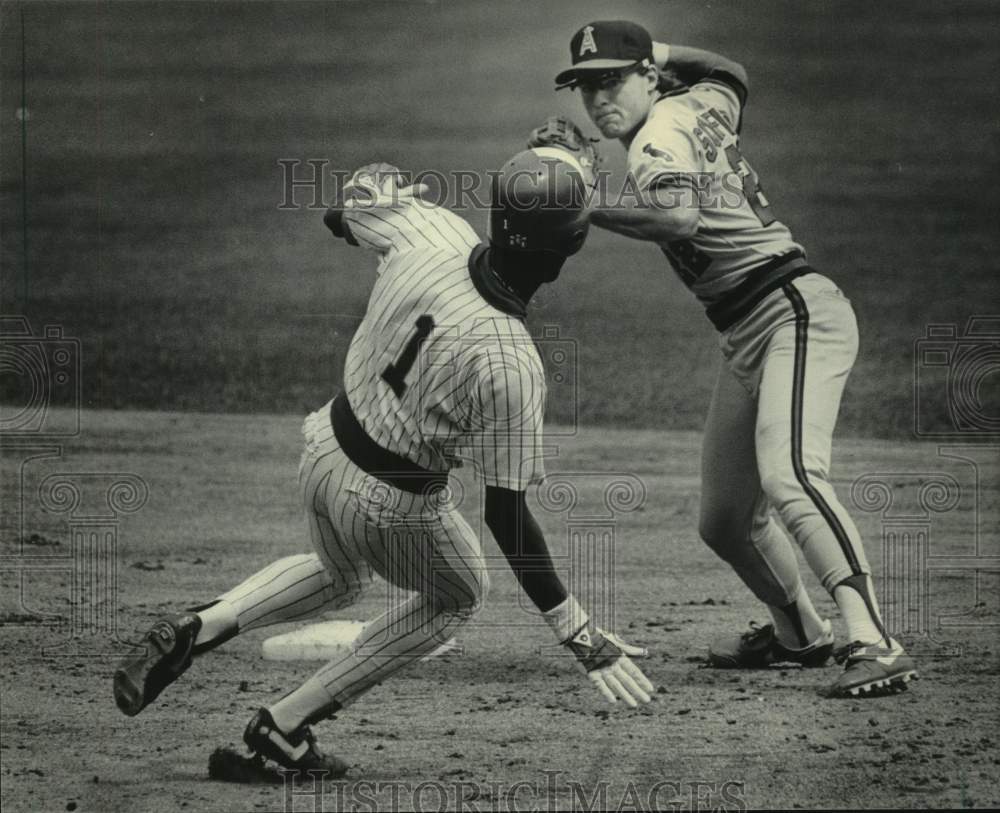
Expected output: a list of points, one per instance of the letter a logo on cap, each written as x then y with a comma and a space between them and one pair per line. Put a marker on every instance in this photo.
587, 43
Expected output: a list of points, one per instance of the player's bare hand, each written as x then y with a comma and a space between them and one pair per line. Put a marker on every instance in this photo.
375, 182
603, 657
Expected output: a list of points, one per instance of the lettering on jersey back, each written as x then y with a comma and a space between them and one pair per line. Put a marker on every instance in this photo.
714, 134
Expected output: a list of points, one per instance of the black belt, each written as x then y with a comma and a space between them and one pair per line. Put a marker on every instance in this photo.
371, 458
761, 281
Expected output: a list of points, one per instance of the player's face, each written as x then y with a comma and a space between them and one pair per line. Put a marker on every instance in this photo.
618, 104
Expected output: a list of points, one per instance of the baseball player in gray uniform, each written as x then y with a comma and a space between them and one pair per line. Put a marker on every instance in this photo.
442, 371
788, 338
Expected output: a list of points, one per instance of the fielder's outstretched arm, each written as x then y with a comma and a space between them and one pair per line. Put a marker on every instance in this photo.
660, 216
603, 656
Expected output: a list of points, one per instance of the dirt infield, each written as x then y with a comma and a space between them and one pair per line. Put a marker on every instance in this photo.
507, 724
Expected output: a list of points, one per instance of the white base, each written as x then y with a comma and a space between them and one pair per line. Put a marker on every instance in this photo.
325, 641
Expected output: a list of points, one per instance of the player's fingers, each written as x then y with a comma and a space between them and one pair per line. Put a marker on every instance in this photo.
631, 684
413, 190
638, 675
603, 687
358, 192
634, 651
615, 685
379, 179
380, 169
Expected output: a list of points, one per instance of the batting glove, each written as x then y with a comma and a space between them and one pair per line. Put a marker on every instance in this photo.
605, 657
611, 670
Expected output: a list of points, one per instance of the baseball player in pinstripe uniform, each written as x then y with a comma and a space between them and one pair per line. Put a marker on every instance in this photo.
441, 372
788, 337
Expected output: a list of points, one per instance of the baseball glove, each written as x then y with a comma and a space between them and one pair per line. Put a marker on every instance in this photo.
564, 134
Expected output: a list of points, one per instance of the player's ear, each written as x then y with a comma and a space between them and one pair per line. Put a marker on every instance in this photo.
652, 77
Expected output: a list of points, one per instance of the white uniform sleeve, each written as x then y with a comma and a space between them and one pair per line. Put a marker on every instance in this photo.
507, 408
402, 223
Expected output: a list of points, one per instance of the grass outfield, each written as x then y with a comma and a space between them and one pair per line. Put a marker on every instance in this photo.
153, 232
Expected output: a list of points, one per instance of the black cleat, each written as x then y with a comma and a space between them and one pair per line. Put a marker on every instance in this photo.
166, 653
295, 752
760, 648
228, 765
873, 670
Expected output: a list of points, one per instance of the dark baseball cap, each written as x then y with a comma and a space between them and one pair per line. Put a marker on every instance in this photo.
606, 45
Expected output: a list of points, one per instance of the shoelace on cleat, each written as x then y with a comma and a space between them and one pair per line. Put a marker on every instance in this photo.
847, 651
756, 632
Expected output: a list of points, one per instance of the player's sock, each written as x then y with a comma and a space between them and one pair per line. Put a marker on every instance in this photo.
797, 624
218, 623
855, 596
289, 589
306, 704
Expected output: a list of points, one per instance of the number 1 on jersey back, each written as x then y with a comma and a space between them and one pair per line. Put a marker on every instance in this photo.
395, 374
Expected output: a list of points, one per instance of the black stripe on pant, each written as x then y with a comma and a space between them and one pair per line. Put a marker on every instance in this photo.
798, 396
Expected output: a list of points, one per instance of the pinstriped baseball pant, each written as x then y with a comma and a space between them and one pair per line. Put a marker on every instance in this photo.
360, 526
768, 441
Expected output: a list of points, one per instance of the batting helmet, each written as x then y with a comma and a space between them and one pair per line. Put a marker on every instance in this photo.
539, 203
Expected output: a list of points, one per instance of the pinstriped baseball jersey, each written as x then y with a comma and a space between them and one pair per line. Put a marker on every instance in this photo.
691, 138
396, 222
436, 373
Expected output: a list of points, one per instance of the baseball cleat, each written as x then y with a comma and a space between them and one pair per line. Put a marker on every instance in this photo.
229, 765
872, 670
296, 751
166, 653
759, 648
